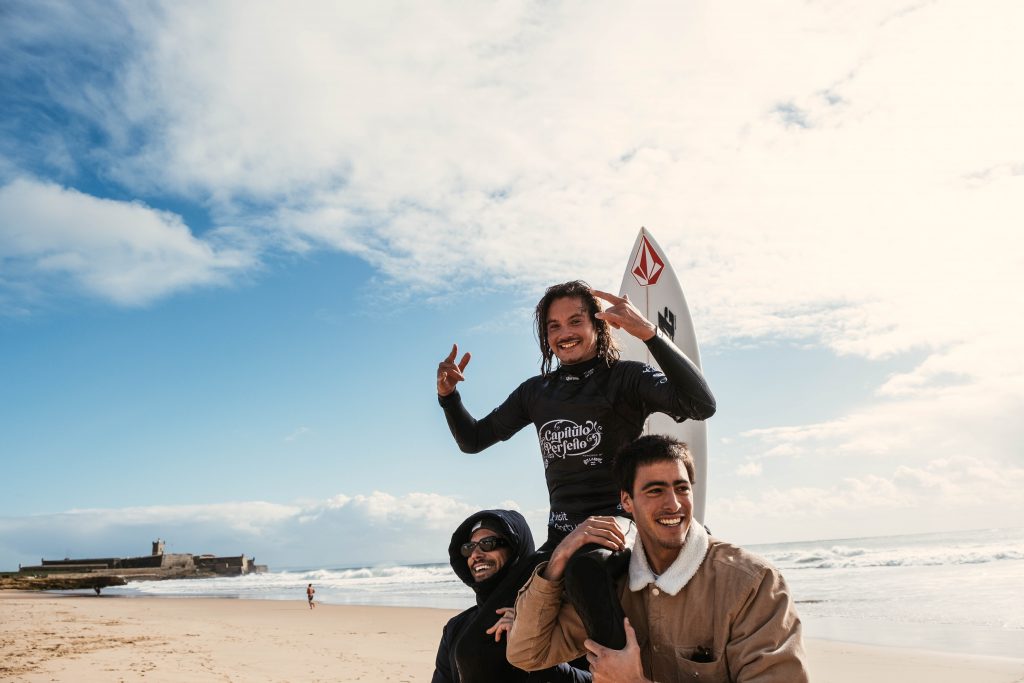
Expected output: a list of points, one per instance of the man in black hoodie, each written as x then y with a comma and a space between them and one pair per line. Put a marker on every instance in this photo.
493, 553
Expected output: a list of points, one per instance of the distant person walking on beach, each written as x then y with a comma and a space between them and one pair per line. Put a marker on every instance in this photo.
492, 552
585, 409
309, 595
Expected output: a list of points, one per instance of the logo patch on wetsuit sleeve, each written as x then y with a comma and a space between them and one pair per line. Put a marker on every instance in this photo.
659, 376
566, 439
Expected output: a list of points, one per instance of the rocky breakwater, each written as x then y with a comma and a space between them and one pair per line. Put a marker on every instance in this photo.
62, 582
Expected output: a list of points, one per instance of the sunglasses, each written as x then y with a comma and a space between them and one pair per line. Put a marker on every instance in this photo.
486, 544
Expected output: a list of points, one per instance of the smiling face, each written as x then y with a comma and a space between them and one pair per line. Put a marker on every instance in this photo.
483, 564
662, 506
570, 331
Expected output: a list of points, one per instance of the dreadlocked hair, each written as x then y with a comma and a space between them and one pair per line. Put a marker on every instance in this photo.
607, 349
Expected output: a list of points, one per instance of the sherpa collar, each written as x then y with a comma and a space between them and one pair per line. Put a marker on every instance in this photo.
679, 573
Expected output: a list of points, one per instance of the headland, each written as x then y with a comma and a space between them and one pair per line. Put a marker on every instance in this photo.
100, 572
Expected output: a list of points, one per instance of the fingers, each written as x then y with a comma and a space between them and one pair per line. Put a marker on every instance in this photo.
504, 624
594, 649
610, 298
623, 315
630, 633
600, 315
602, 531
499, 629
615, 314
597, 530
448, 373
447, 377
448, 364
445, 371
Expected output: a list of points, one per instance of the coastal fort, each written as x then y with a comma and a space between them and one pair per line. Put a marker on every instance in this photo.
117, 571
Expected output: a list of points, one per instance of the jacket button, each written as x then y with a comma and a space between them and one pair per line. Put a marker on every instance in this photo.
655, 591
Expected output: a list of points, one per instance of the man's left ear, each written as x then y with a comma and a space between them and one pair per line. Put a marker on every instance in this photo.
627, 502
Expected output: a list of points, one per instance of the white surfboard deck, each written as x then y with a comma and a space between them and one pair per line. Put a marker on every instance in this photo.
653, 287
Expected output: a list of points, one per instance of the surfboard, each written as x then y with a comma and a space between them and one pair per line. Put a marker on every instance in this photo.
651, 284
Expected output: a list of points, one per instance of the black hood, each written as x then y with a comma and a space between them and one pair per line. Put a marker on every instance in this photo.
514, 528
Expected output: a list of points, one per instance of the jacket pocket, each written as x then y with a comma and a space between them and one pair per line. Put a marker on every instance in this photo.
713, 671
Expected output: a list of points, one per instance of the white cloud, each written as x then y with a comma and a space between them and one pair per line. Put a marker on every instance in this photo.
948, 420
845, 175
346, 529
750, 469
423, 151
123, 251
456, 146
942, 493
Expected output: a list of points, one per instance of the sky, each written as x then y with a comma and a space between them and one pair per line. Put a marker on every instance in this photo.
236, 238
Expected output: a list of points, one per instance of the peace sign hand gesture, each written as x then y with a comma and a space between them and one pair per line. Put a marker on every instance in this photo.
623, 315
449, 373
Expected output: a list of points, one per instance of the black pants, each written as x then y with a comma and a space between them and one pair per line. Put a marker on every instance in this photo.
590, 587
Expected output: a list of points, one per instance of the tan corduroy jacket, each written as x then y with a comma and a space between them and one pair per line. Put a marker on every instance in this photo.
731, 620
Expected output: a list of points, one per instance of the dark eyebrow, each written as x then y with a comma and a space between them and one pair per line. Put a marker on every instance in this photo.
663, 484
581, 312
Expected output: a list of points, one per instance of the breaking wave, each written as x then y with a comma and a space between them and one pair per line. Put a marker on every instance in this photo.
428, 585
843, 557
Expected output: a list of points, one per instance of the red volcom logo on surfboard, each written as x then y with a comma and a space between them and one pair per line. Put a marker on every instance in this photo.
647, 265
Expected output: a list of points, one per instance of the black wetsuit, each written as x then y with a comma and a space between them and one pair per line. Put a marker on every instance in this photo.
584, 413
467, 654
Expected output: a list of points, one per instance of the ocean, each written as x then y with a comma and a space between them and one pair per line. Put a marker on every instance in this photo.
958, 591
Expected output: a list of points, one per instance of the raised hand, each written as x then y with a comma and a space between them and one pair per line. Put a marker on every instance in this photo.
622, 314
449, 373
504, 623
616, 666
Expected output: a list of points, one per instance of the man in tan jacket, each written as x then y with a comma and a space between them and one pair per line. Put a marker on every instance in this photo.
697, 608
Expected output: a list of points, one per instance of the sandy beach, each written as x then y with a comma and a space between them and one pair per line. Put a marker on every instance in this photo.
45, 637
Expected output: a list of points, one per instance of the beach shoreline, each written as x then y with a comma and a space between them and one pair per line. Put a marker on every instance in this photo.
53, 637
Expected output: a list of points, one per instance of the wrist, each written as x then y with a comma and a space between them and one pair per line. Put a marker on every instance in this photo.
555, 568
650, 333
449, 399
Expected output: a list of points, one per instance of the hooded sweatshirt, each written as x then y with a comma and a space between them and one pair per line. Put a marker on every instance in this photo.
467, 654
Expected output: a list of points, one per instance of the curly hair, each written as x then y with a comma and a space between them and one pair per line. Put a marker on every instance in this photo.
607, 349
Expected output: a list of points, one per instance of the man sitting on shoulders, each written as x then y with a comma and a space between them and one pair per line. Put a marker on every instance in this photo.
696, 607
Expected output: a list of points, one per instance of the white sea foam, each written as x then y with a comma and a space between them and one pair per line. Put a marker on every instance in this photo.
938, 582
967, 579
888, 553
433, 585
